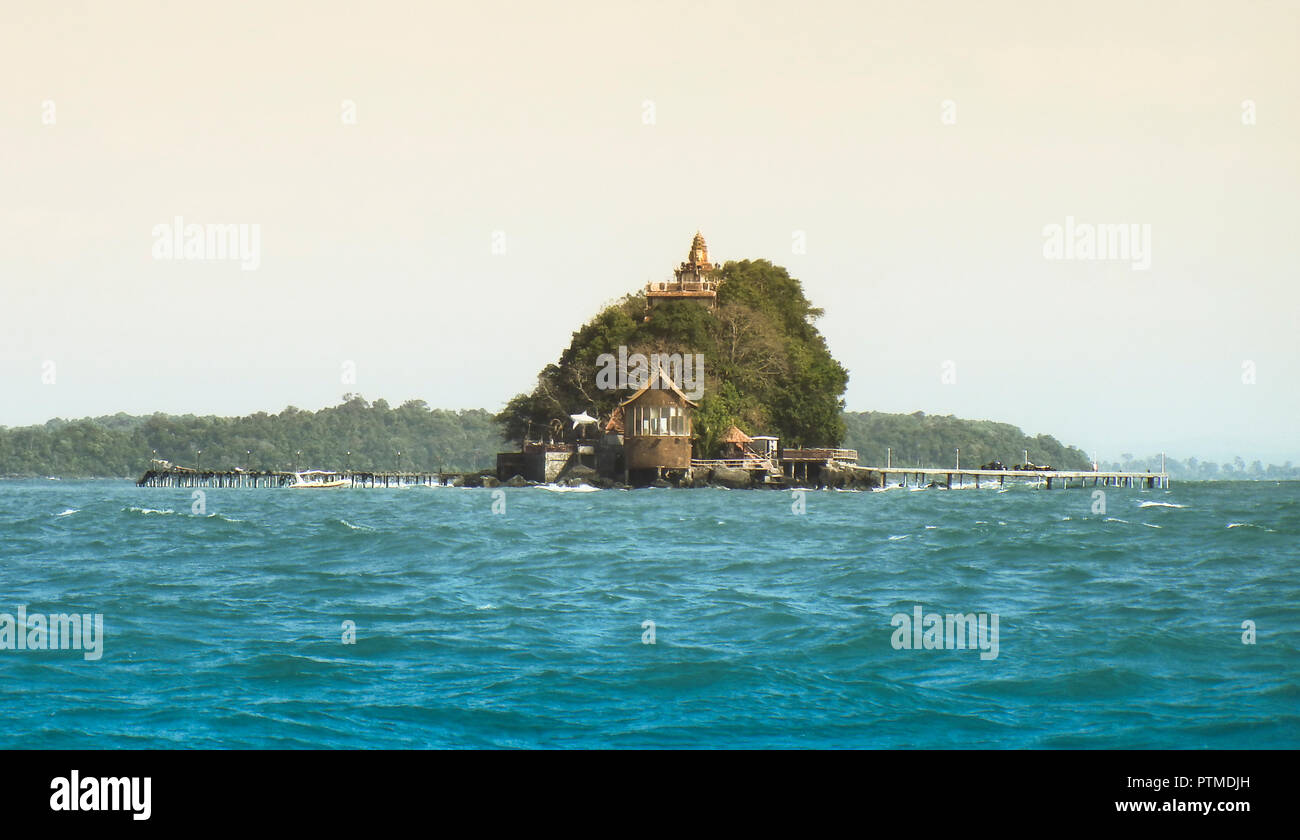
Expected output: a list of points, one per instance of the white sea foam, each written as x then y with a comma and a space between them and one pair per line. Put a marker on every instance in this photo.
1113, 519
149, 511
899, 537
1160, 504
560, 488
355, 527
68, 512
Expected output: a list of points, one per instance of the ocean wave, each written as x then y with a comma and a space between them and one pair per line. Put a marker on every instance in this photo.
1160, 504
148, 511
351, 526
560, 488
68, 512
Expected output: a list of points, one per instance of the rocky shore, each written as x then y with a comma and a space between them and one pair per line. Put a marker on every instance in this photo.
834, 476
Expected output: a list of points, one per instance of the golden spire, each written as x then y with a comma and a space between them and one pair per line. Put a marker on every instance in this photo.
699, 254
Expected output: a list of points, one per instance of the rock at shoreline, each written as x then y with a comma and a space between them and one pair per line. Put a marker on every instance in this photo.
578, 475
848, 476
729, 477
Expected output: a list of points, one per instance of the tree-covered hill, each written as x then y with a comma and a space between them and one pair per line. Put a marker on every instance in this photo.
767, 367
122, 445
931, 441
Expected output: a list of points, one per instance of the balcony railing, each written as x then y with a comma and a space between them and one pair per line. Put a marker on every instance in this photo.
670, 287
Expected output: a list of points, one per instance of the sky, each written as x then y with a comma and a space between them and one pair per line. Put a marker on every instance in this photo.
444, 192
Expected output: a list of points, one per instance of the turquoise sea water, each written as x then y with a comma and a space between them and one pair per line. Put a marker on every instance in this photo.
224, 628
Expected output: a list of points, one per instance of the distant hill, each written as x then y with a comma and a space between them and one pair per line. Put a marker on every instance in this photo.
930, 440
122, 445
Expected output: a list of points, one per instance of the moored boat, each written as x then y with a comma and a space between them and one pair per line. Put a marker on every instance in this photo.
317, 480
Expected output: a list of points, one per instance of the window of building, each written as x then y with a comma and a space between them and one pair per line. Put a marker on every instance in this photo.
660, 420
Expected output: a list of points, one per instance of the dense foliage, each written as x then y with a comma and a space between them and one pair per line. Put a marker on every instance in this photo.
122, 445
767, 368
932, 441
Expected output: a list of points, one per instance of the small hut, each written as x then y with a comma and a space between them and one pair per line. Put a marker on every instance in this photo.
734, 443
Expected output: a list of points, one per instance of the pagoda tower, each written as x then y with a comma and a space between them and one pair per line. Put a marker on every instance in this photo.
693, 279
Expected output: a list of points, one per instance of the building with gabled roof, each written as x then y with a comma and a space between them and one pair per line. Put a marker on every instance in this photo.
656, 423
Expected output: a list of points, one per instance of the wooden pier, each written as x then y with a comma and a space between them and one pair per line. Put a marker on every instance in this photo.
184, 477
1051, 478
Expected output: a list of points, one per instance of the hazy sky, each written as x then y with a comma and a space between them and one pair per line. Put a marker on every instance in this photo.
593, 139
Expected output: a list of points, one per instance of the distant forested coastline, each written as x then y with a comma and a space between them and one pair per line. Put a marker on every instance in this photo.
374, 433
122, 445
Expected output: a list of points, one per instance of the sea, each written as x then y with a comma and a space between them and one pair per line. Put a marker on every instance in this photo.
545, 617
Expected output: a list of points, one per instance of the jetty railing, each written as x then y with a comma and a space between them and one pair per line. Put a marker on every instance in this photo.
847, 456
1049, 478
736, 463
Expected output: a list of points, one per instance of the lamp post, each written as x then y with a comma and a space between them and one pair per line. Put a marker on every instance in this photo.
399, 461
889, 455
198, 462
296, 456
959, 458
349, 461
248, 460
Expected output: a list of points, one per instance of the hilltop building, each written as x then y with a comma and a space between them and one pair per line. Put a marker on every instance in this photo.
693, 279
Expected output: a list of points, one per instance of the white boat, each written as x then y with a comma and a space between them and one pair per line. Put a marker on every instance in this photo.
317, 480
